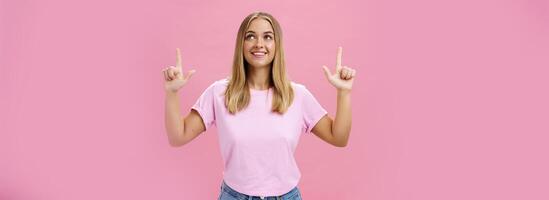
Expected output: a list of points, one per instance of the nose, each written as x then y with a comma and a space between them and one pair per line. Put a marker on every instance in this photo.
258, 43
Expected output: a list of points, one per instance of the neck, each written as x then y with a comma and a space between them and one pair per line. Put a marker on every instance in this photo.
259, 78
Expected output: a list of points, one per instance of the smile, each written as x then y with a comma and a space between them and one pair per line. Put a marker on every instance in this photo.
259, 54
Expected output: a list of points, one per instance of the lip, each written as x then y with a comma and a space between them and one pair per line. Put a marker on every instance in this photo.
259, 54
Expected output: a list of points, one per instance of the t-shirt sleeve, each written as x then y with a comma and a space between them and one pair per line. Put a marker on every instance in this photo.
205, 106
312, 110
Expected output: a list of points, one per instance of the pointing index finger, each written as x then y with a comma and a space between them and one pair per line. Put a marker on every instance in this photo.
338, 60
178, 59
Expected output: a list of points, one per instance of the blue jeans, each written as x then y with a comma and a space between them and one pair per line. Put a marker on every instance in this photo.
228, 193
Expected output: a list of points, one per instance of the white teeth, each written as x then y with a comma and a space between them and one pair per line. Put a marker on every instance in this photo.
259, 53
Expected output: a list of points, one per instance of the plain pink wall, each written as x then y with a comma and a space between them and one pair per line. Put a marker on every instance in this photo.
450, 99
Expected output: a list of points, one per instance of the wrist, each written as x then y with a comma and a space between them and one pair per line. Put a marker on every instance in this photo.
343, 91
171, 93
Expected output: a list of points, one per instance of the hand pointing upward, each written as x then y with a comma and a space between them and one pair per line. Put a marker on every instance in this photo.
174, 78
343, 77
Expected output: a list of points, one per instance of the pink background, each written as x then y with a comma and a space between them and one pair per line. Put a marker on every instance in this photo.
450, 101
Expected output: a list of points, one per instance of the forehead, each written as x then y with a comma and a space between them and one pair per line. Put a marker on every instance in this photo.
260, 25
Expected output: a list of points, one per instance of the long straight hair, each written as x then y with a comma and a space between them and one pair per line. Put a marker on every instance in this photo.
237, 95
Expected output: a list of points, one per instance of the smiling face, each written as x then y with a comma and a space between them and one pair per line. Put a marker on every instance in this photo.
259, 44
259, 34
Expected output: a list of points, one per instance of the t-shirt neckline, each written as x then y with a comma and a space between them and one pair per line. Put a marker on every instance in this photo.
256, 91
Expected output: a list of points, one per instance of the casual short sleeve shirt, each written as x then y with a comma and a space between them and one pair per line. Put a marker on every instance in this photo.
258, 145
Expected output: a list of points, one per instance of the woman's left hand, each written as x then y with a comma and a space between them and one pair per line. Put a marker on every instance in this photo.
343, 77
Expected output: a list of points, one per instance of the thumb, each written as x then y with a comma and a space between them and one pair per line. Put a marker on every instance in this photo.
327, 72
189, 74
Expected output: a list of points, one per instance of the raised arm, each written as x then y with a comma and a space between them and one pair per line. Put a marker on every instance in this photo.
336, 132
180, 130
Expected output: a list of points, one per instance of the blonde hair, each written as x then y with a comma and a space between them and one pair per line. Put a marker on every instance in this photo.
237, 95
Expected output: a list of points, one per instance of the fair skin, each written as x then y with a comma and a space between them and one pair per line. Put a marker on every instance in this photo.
259, 48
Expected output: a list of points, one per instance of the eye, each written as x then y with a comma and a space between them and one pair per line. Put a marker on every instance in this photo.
268, 37
250, 37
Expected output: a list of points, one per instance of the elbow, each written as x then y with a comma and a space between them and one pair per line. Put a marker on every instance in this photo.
178, 142
175, 143
340, 144
340, 141
175, 139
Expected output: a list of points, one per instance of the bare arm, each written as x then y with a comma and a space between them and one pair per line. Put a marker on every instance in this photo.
180, 130
336, 132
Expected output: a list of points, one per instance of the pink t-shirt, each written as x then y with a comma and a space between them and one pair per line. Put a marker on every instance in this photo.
257, 145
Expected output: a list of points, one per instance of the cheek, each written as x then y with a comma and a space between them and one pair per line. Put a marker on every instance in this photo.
246, 47
272, 47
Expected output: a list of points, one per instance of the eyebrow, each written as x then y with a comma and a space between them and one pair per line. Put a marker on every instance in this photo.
263, 33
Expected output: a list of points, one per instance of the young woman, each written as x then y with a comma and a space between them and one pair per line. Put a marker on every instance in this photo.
259, 114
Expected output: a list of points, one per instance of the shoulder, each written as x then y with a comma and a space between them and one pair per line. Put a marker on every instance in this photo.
224, 82
220, 84
302, 94
216, 88
297, 86
299, 89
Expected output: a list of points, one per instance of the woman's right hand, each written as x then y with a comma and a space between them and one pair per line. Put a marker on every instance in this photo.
174, 79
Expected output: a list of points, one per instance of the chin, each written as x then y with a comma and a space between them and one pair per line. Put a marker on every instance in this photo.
260, 65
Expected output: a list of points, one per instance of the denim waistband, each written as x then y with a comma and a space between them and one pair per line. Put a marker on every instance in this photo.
239, 195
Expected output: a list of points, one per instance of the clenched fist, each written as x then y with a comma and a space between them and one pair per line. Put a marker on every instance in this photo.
174, 79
